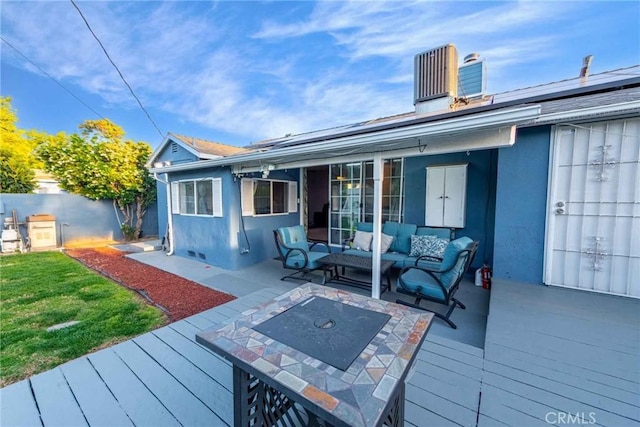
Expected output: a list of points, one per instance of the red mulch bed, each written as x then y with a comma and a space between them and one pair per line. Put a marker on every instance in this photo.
177, 296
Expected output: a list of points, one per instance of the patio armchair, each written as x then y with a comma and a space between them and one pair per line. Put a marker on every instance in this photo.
438, 279
297, 252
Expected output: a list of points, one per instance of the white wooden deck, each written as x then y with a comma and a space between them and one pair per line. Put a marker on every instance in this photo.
547, 351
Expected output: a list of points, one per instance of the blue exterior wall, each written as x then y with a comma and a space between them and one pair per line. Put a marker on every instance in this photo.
180, 156
202, 237
521, 206
222, 241
88, 220
259, 229
481, 184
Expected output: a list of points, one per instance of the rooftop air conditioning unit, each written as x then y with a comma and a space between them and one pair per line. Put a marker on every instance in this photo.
472, 77
436, 74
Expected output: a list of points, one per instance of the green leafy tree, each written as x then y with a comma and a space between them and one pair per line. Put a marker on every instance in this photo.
16, 174
99, 163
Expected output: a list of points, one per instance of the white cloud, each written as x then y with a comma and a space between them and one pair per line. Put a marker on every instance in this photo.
260, 79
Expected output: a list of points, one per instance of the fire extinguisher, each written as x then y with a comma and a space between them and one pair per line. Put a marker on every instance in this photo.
485, 273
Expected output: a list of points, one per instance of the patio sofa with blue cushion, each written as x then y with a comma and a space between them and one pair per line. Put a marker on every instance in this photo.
397, 239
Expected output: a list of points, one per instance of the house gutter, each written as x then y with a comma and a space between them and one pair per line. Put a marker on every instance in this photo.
169, 209
624, 109
491, 119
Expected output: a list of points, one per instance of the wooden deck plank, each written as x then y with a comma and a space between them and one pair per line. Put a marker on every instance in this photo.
419, 416
590, 349
548, 397
446, 376
184, 328
485, 421
587, 397
454, 345
241, 303
212, 364
494, 351
583, 305
57, 405
469, 371
614, 388
452, 354
206, 389
441, 406
502, 407
17, 405
619, 337
564, 350
98, 405
227, 311
142, 407
214, 316
618, 364
200, 322
182, 404
467, 397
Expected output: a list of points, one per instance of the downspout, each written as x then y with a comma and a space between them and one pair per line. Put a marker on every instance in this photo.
169, 209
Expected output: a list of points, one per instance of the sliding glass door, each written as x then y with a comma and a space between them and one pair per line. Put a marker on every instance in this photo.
346, 185
351, 188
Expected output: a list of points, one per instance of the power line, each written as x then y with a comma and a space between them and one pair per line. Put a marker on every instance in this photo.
51, 77
117, 69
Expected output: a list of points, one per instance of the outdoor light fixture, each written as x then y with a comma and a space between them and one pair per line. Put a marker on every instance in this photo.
266, 168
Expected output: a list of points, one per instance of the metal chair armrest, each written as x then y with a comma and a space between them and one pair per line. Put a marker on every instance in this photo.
427, 258
323, 244
291, 250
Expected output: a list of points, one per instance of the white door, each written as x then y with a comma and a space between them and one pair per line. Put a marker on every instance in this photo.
446, 196
593, 222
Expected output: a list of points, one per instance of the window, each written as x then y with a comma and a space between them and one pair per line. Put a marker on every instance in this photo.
197, 197
269, 197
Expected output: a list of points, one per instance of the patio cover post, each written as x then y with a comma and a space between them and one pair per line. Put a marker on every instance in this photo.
377, 224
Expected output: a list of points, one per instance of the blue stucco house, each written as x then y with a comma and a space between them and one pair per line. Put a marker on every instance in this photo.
547, 178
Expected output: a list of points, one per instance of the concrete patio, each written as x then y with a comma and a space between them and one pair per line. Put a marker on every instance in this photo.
550, 356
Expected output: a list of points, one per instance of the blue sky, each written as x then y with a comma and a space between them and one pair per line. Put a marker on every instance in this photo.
239, 72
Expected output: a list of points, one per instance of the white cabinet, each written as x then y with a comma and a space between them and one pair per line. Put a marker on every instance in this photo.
446, 196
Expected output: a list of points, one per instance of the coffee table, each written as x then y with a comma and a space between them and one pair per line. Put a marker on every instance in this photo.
277, 384
331, 263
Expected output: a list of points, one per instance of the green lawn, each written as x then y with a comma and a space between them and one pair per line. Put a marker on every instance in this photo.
39, 290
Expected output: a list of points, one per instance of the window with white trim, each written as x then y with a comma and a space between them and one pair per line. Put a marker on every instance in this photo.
268, 197
201, 197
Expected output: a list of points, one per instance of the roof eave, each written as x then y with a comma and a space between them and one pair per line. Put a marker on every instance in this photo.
492, 118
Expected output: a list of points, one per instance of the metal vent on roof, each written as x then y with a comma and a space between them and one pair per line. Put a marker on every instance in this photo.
174, 147
436, 73
472, 77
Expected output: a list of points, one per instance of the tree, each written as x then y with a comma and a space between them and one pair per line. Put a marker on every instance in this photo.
100, 164
16, 174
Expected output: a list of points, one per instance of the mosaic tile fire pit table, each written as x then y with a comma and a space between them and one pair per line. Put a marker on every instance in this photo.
320, 356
